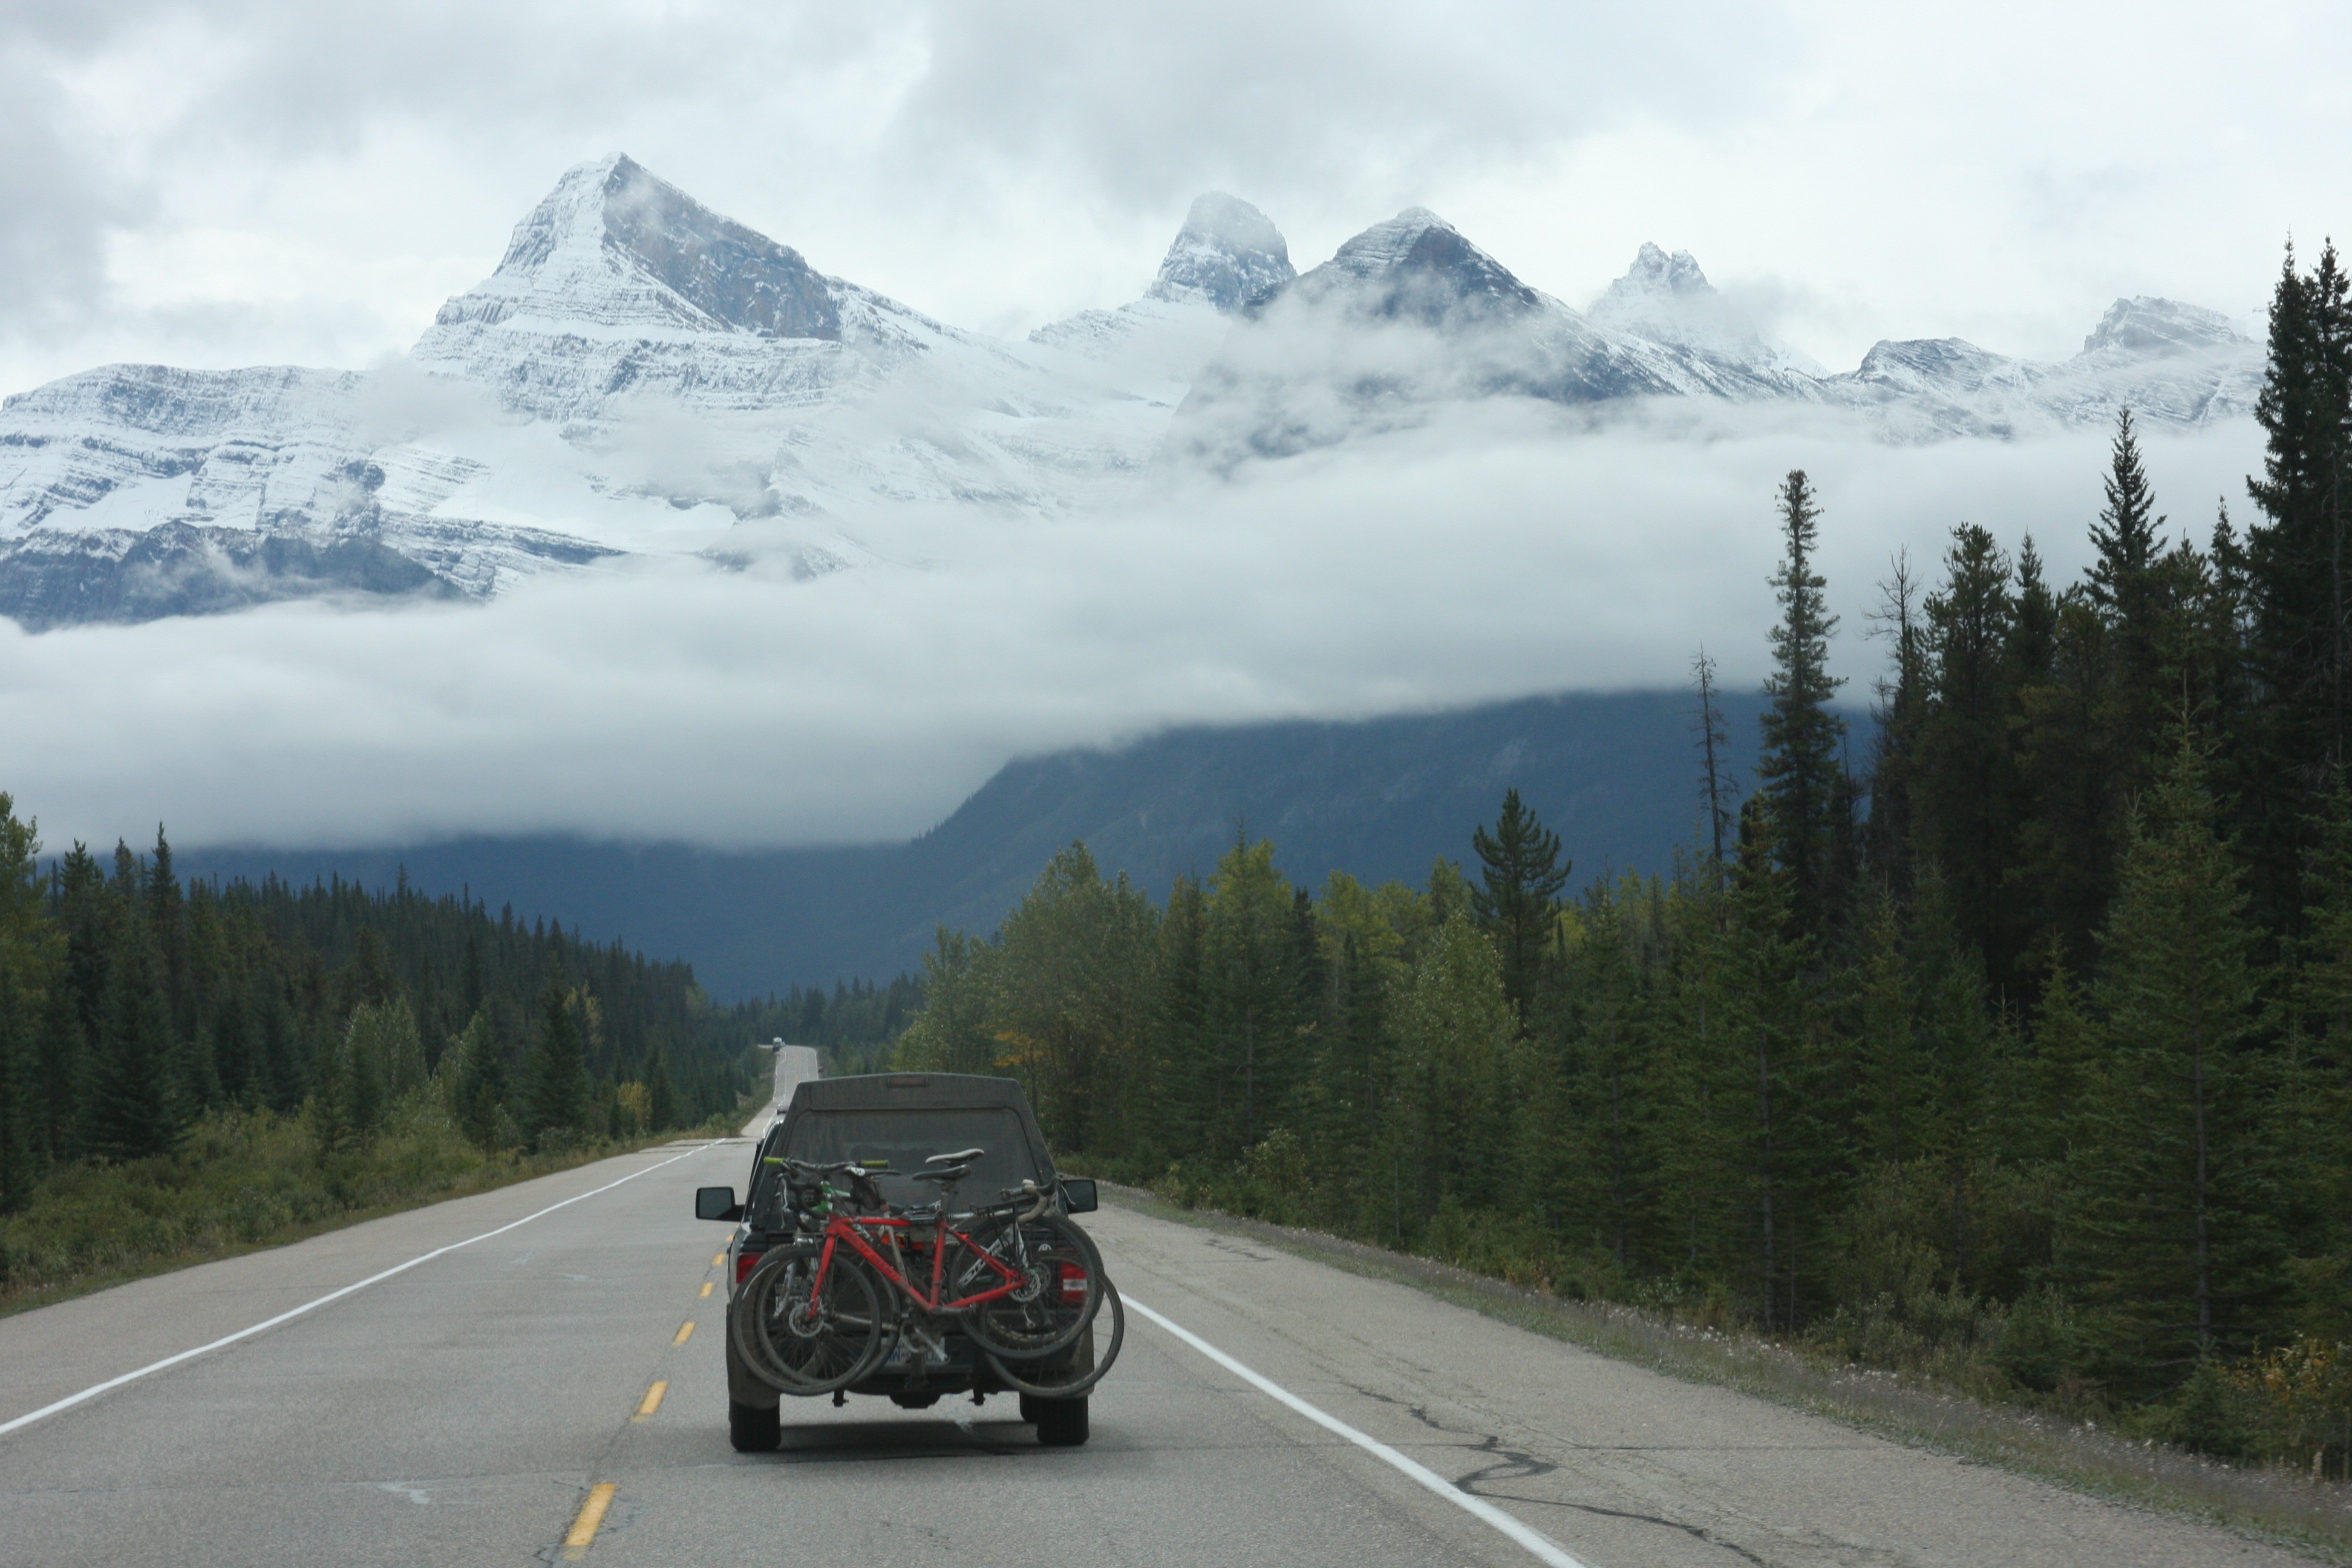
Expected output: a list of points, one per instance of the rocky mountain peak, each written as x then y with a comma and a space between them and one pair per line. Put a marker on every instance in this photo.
2146, 327
1656, 276
614, 242
1417, 265
1227, 253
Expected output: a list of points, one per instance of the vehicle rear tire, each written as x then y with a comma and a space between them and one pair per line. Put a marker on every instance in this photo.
754, 1429
1061, 1422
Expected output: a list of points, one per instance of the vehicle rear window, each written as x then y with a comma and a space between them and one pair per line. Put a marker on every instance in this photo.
907, 1138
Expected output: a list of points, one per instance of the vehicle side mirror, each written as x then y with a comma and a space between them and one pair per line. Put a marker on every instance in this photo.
1078, 1195
716, 1203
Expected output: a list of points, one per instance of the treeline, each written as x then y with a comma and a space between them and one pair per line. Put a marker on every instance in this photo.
2020, 1052
854, 1023
134, 1006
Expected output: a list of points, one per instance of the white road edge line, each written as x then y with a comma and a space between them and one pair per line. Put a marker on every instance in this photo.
94, 1390
1542, 1547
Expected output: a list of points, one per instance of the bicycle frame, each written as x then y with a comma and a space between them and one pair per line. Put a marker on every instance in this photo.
846, 1227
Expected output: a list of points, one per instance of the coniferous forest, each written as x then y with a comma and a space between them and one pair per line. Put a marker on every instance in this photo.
186, 1067
2005, 1037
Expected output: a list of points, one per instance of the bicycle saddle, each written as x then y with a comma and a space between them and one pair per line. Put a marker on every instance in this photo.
952, 1174
960, 1157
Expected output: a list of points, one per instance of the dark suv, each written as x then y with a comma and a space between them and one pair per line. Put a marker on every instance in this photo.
897, 1120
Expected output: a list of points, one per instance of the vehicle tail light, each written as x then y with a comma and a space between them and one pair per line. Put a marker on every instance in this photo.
1074, 1282
744, 1263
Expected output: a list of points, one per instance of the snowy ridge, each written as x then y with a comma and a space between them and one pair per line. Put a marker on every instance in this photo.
640, 375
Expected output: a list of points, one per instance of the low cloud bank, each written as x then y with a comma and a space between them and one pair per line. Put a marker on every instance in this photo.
1500, 553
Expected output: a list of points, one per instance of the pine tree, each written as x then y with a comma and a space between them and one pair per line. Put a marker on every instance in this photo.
2123, 581
1251, 1016
1801, 767
1718, 788
559, 1078
1901, 714
1966, 790
1521, 874
1455, 1031
134, 1107
1770, 1021
2175, 1239
20, 1108
2297, 559
1894, 1092
661, 1097
481, 1085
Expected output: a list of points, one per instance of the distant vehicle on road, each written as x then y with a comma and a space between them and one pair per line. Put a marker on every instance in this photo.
905, 1235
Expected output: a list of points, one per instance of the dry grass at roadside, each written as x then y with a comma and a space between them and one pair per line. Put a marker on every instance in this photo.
2269, 1503
248, 1180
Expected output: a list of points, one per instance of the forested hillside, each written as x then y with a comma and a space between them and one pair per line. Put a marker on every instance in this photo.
1378, 795
236, 1060
2019, 1053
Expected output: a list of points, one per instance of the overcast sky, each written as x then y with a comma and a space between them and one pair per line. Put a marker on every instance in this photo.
253, 181
279, 181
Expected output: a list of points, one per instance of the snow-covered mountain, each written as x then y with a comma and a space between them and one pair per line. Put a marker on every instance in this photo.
641, 376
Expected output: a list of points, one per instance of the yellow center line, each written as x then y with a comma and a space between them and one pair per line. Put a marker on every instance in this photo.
719, 1261
707, 1284
682, 1333
592, 1513
651, 1401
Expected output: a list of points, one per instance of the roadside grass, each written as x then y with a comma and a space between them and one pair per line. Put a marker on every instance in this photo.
242, 1181
2273, 1504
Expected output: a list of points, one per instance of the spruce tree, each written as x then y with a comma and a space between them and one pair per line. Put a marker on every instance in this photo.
661, 1095
1801, 767
134, 1107
1518, 898
2174, 1240
1966, 797
1252, 1014
2123, 581
20, 1108
559, 1078
1718, 788
1901, 714
2297, 558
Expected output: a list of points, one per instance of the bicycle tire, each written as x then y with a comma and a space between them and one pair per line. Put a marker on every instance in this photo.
1071, 1389
799, 1351
1040, 1319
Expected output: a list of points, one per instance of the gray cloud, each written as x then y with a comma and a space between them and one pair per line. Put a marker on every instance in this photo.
1482, 557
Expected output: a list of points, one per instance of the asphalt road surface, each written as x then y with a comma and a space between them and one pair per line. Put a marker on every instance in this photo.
469, 1408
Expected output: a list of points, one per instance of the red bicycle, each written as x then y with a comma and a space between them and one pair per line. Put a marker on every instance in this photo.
818, 1314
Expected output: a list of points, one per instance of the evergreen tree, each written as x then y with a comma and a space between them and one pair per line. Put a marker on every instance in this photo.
1718, 789
2174, 1240
559, 1078
481, 1084
1901, 715
1455, 1031
2297, 559
1967, 787
134, 1107
662, 1111
1894, 1092
1521, 874
1801, 770
20, 1108
2125, 584
1251, 1014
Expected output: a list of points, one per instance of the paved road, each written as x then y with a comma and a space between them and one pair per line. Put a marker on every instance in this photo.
463, 1410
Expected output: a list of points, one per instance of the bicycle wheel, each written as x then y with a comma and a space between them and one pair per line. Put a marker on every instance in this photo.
1058, 1294
800, 1341
1044, 1384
